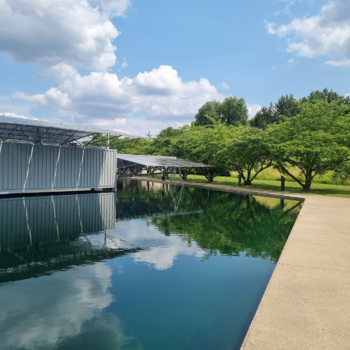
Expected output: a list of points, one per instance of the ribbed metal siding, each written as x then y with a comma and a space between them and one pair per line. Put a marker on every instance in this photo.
26, 221
26, 167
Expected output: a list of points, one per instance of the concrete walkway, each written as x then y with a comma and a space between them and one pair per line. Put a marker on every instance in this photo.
307, 302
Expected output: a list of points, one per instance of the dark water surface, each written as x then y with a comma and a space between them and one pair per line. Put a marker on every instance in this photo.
151, 267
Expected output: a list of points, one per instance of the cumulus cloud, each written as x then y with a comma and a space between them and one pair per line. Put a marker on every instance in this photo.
252, 110
67, 300
75, 32
113, 7
327, 33
101, 97
159, 257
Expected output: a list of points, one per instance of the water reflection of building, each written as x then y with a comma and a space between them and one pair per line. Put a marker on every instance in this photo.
41, 234
150, 199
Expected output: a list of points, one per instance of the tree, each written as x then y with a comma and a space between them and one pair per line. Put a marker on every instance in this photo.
264, 117
287, 106
162, 143
234, 111
232, 224
211, 109
330, 96
200, 144
315, 141
245, 151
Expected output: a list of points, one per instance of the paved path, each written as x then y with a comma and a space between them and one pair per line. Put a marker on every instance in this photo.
307, 302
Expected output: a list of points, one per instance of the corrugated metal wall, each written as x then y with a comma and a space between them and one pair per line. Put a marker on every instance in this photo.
27, 167
31, 220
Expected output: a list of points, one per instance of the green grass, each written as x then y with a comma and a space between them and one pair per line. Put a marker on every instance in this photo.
324, 189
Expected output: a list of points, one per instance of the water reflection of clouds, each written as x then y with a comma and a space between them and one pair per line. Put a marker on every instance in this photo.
158, 250
54, 309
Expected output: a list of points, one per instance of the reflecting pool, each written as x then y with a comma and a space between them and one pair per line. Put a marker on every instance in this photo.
150, 267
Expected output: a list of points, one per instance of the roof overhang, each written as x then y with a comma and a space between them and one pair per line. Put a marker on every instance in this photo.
37, 131
127, 160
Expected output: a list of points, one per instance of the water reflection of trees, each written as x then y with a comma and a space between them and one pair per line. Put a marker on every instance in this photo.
232, 223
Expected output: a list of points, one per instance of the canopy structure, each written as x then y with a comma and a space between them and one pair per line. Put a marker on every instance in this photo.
137, 165
41, 132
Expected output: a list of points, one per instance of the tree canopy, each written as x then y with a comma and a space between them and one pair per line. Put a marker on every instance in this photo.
314, 141
232, 111
327, 95
245, 150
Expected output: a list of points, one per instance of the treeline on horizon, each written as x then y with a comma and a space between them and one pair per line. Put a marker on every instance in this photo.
311, 134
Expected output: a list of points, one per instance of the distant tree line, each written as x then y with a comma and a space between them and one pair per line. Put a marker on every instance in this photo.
311, 134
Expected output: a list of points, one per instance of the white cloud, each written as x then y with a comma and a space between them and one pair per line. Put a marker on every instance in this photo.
160, 257
252, 110
327, 33
344, 63
51, 98
74, 32
14, 115
67, 301
223, 85
101, 97
113, 7
124, 64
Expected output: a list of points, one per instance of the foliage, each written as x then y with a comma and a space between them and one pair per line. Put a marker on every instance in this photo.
287, 106
211, 109
201, 144
232, 111
232, 224
264, 117
315, 141
329, 96
246, 151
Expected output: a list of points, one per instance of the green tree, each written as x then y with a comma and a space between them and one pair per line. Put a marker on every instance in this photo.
200, 144
287, 106
246, 151
264, 117
315, 141
325, 94
234, 111
211, 109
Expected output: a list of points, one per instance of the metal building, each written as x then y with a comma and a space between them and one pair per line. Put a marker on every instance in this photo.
37, 156
28, 221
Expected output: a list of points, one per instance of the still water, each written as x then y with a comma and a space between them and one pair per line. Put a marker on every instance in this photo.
152, 267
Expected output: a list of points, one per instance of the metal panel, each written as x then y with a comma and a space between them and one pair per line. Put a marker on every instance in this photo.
125, 160
33, 220
29, 167
35, 130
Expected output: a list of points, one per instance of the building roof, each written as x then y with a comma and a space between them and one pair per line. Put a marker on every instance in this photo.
127, 160
21, 129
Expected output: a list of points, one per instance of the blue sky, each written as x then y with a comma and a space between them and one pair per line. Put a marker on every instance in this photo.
137, 65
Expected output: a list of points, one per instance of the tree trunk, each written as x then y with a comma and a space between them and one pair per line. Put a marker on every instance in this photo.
307, 186
308, 181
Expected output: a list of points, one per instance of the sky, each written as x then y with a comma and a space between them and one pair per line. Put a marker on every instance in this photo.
143, 65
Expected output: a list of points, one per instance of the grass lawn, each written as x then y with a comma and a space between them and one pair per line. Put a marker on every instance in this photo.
290, 186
